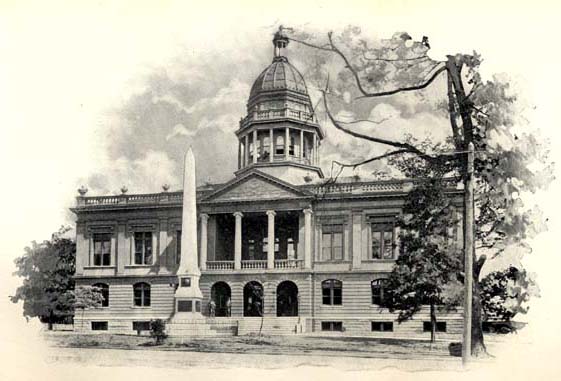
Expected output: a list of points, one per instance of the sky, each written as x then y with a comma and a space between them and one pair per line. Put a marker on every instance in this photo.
107, 94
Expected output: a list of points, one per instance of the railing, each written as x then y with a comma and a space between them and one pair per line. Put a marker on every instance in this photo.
133, 199
220, 265
288, 263
359, 187
279, 113
254, 264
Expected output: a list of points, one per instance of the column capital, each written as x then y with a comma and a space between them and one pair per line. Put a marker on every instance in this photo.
238, 214
308, 211
204, 217
271, 213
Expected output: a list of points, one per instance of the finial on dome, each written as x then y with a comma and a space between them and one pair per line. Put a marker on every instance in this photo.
280, 41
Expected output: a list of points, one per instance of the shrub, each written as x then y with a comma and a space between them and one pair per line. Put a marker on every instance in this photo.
158, 330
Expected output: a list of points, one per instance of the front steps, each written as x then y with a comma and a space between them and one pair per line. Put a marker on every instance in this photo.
224, 326
271, 326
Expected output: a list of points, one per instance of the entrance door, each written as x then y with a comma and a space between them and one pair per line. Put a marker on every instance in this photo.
287, 299
220, 294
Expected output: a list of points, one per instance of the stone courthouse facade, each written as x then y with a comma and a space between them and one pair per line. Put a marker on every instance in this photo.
277, 240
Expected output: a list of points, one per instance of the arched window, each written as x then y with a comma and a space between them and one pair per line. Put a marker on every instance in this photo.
332, 292
279, 145
141, 294
378, 287
104, 290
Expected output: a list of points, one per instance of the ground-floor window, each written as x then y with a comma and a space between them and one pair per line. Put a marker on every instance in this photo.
141, 326
382, 326
333, 326
440, 326
99, 326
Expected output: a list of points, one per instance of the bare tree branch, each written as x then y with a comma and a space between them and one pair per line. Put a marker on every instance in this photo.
365, 121
453, 115
366, 94
419, 58
405, 146
372, 159
325, 47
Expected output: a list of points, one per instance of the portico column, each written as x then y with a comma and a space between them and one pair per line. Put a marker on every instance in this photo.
286, 142
204, 240
271, 239
307, 238
238, 241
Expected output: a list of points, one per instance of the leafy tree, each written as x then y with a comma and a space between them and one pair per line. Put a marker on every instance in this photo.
47, 269
87, 297
429, 260
354, 73
506, 293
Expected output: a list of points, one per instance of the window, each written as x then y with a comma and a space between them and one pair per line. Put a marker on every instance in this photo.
291, 146
279, 145
102, 249
143, 248
333, 326
184, 305
141, 326
141, 294
332, 243
440, 326
382, 326
265, 149
378, 287
332, 292
99, 326
104, 290
178, 248
382, 240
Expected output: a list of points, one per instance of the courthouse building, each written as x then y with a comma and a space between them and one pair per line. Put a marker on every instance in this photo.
277, 240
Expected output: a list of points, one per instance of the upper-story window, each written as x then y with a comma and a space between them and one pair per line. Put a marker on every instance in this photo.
291, 146
104, 290
143, 248
102, 249
332, 292
332, 242
265, 147
178, 247
382, 243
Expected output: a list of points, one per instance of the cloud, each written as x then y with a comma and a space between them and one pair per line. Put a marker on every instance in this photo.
180, 130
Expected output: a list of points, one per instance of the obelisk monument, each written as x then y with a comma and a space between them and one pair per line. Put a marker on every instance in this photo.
188, 295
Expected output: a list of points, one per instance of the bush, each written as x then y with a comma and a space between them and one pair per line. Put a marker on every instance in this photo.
158, 330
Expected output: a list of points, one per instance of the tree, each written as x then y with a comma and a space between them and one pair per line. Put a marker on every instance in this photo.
158, 330
47, 270
429, 260
510, 160
87, 297
505, 293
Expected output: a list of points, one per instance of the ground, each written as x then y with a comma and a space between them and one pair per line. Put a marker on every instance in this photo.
252, 351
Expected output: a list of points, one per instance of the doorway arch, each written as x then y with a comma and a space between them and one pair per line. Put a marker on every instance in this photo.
220, 294
253, 299
287, 299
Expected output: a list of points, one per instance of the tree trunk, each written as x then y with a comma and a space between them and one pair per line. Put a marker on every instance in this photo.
477, 343
432, 323
51, 316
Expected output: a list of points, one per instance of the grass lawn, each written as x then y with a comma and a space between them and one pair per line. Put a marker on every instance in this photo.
293, 345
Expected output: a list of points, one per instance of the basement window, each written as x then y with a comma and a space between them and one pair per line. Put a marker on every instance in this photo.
440, 326
332, 326
382, 326
99, 326
141, 325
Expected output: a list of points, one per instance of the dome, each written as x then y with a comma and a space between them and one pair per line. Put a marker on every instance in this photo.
280, 75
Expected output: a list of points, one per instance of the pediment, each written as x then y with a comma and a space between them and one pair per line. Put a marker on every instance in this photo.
256, 186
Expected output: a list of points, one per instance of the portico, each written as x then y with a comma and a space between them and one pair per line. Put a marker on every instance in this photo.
256, 240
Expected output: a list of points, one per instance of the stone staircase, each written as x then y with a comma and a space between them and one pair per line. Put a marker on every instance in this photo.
271, 325
202, 327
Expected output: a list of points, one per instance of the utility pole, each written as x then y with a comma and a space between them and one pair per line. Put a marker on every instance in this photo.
468, 254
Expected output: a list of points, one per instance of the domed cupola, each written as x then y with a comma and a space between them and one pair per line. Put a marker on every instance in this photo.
280, 134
